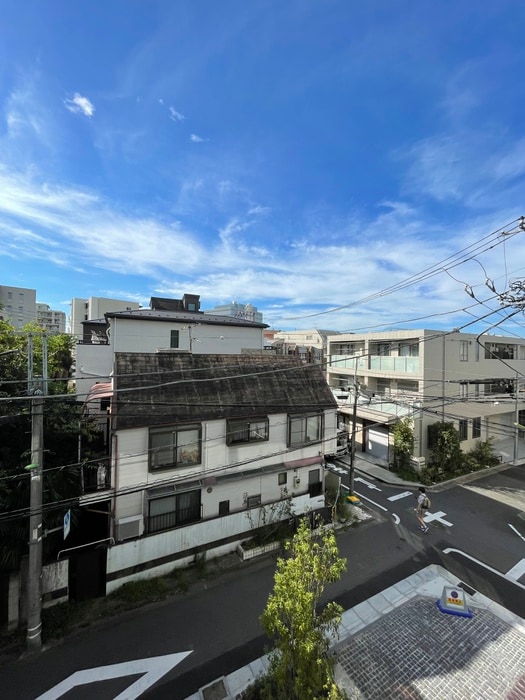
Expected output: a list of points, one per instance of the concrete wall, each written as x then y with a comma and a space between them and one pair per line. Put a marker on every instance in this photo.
159, 554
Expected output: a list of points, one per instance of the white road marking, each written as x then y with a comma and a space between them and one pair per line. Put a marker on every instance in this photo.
367, 483
519, 534
400, 495
517, 570
371, 501
430, 517
396, 518
152, 669
486, 566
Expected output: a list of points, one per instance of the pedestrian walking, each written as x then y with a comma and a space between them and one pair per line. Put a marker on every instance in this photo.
423, 504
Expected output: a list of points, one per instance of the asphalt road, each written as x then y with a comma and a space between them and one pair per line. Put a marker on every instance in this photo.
220, 626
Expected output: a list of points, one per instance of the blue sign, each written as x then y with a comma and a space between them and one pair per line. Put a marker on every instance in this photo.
67, 523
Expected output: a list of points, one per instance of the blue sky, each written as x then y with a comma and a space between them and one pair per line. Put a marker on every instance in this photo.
300, 155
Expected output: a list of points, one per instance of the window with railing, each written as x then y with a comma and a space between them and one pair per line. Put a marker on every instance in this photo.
174, 510
500, 351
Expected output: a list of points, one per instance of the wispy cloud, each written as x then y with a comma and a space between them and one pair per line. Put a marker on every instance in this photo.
79, 104
175, 115
196, 139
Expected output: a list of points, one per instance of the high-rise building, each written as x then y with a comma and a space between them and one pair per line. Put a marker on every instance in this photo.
53, 321
93, 308
18, 305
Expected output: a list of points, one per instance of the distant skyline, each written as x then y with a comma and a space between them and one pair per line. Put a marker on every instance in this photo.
337, 165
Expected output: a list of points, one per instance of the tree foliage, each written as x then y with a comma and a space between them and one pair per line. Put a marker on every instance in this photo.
403, 443
301, 667
445, 447
61, 434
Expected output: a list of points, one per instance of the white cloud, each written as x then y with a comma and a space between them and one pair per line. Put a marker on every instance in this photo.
176, 116
79, 105
196, 139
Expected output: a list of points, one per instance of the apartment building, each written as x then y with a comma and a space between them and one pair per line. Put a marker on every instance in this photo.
18, 305
310, 345
237, 310
95, 308
49, 319
474, 382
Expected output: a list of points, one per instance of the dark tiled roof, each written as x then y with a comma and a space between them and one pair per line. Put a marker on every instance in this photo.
184, 317
161, 388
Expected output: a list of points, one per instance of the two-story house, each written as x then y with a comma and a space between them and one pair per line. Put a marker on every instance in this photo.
475, 382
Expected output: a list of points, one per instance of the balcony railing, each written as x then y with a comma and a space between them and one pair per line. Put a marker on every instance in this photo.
377, 363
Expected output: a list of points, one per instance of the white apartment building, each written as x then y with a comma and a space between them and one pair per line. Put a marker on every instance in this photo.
236, 310
18, 305
474, 382
95, 308
310, 345
52, 321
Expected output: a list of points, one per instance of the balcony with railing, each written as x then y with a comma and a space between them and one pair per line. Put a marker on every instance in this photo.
376, 363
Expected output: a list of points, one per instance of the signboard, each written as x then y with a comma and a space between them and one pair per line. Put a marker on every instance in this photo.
453, 602
67, 523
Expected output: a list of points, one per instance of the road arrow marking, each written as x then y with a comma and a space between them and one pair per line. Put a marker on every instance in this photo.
367, 483
396, 518
152, 668
400, 495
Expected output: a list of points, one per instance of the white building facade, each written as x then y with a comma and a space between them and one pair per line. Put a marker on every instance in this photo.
95, 308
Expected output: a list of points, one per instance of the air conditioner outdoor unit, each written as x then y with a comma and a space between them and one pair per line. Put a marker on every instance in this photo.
128, 528
296, 481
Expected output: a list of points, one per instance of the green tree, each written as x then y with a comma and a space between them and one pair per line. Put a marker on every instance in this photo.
445, 448
403, 443
482, 455
62, 425
301, 667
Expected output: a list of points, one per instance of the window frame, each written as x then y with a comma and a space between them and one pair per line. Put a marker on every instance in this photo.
169, 523
251, 427
174, 338
463, 429
176, 431
304, 418
476, 428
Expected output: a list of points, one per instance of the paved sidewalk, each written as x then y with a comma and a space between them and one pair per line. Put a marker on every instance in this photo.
398, 644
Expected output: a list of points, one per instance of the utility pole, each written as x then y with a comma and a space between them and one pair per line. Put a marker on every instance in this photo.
516, 418
352, 498
34, 583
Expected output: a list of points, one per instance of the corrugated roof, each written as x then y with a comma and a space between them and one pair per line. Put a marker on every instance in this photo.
161, 388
